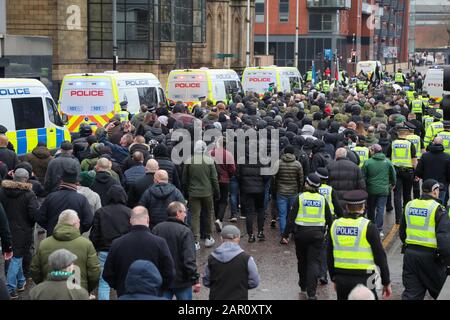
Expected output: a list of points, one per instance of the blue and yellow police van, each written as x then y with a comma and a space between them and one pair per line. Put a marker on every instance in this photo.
30, 115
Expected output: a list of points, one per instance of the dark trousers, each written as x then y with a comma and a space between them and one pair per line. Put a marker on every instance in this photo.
220, 206
416, 189
422, 272
253, 206
405, 178
345, 283
308, 251
323, 272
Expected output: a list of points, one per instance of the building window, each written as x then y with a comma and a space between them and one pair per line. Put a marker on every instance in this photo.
135, 29
320, 22
259, 11
284, 10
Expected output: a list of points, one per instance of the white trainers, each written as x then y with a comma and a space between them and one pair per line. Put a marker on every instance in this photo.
218, 225
209, 242
381, 235
197, 246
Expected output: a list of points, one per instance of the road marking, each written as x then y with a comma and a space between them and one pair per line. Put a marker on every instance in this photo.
387, 241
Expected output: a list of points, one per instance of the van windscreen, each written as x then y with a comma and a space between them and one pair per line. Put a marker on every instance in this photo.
137, 96
28, 113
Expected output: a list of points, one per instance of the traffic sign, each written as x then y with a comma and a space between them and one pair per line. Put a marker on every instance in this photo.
224, 55
390, 52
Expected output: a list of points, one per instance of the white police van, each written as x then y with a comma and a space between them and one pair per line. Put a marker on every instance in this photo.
30, 115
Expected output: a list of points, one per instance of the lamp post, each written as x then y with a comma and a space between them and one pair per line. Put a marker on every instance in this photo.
296, 36
267, 27
247, 53
114, 22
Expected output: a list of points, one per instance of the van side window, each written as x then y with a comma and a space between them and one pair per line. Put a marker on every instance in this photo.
148, 96
231, 87
53, 112
162, 95
28, 113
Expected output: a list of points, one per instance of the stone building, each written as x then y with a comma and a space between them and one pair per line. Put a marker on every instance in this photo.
154, 36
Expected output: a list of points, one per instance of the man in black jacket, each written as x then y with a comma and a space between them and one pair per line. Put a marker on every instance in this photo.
123, 253
55, 167
110, 222
66, 197
103, 179
181, 242
6, 155
159, 196
137, 189
161, 155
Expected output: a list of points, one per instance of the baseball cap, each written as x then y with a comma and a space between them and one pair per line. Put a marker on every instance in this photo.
230, 232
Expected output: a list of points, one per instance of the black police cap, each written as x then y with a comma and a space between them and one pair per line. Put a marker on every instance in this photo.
430, 185
355, 197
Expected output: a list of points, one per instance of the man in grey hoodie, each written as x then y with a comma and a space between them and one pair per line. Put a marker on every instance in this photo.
230, 272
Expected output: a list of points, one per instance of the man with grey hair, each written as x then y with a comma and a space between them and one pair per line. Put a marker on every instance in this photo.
67, 235
124, 252
58, 285
380, 177
230, 272
361, 292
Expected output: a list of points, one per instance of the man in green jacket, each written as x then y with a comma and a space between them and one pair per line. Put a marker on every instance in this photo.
201, 185
66, 235
380, 178
59, 286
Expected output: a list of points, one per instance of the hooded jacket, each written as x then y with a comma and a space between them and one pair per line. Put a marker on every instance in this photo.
230, 273
55, 288
102, 182
379, 174
39, 158
55, 171
111, 221
157, 198
226, 167
180, 240
155, 134
21, 205
434, 164
136, 190
289, 178
143, 282
200, 177
144, 148
68, 237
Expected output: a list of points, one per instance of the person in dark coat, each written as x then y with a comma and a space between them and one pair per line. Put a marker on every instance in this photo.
103, 179
143, 282
5, 234
110, 222
7, 156
136, 171
37, 187
123, 253
138, 188
39, 159
3, 170
20, 205
55, 167
138, 145
159, 196
180, 240
66, 197
345, 175
161, 154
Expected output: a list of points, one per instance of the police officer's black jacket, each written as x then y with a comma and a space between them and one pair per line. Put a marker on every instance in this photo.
290, 225
379, 255
442, 221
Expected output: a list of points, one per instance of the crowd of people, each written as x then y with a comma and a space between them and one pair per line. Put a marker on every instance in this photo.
119, 213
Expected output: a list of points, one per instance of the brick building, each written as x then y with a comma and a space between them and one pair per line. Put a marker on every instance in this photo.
153, 36
339, 25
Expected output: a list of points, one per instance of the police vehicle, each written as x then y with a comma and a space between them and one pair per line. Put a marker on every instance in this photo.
30, 115
95, 98
261, 79
434, 82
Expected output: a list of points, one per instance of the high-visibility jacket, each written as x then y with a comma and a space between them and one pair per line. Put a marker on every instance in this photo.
410, 95
420, 222
327, 192
363, 154
123, 114
399, 78
427, 120
416, 106
426, 101
412, 85
311, 210
326, 86
432, 130
401, 154
360, 85
309, 76
351, 250
416, 141
445, 135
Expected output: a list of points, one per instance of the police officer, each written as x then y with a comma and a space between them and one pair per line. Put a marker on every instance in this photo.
418, 144
403, 156
434, 128
309, 75
124, 114
354, 249
309, 217
445, 135
425, 97
427, 119
361, 150
400, 78
417, 106
336, 211
424, 218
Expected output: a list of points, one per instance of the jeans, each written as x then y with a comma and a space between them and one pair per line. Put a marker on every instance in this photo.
267, 183
375, 209
284, 204
442, 195
234, 196
103, 287
179, 293
14, 277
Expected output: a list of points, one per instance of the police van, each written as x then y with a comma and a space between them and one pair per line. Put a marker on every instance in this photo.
434, 81
30, 115
192, 85
262, 79
95, 98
